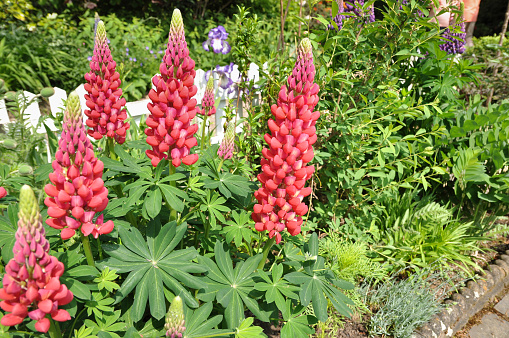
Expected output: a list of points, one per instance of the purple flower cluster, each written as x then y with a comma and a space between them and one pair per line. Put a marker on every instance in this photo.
406, 3
355, 7
217, 40
338, 19
455, 43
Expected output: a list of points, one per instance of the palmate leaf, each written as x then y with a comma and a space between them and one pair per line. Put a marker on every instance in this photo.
152, 265
231, 286
199, 324
275, 288
8, 228
213, 204
238, 228
226, 182
247, 330
107, 324
297, 325
318, 283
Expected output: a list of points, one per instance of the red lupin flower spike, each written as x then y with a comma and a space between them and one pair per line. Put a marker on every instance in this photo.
3, 192
106, 113
293, 133
31, 283
76, 192
170, 132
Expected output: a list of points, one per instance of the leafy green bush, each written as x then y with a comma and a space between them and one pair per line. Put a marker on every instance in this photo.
418, 233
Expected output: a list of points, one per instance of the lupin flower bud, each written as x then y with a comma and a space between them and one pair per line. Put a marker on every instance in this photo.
284, 172
31, 283
76, 192
106, 112
225, 150
208, 101
170, 132
174, 321
3, 192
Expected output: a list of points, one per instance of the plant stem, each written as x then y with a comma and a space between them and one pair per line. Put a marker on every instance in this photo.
110, 148
99, 248
87, 249
265, 252
203, 127
220, 165
54, 329
173, 212
207, 228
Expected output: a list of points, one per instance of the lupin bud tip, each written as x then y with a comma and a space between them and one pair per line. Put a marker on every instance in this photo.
210, 83
73, 110
305, 46
28, 206
100, 33
177, 23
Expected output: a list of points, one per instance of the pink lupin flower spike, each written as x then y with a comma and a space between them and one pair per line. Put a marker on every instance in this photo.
31, 283
76, 192
208, 101
293, 133
106, 113
225, 150
170, 132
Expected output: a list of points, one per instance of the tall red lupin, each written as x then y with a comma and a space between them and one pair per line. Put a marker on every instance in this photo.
284, 172
31, 283
106, 112
76, 192
170, 132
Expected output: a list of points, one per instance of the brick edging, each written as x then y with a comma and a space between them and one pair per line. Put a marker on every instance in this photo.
468, 301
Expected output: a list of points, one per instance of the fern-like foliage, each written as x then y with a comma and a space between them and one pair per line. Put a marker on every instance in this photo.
348, 260
418, 232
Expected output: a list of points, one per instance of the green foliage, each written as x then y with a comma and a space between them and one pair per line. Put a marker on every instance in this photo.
485, 53
152, 263
26, 146
349, 260
418, 233
318, 284
230, 286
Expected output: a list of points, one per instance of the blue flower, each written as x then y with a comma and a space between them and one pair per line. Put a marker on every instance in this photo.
225, 80
89, 58
217, 39
127, 49
134, 59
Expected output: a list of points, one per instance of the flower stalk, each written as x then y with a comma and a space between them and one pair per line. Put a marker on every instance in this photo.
87, 249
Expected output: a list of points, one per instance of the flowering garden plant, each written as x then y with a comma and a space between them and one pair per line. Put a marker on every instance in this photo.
146, 229
156, 233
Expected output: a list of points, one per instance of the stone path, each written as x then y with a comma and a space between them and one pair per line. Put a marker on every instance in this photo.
494, 324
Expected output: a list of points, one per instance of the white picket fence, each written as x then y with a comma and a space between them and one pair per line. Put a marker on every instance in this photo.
136, 109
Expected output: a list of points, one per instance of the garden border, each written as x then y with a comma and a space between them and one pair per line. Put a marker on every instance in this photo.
468, 301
